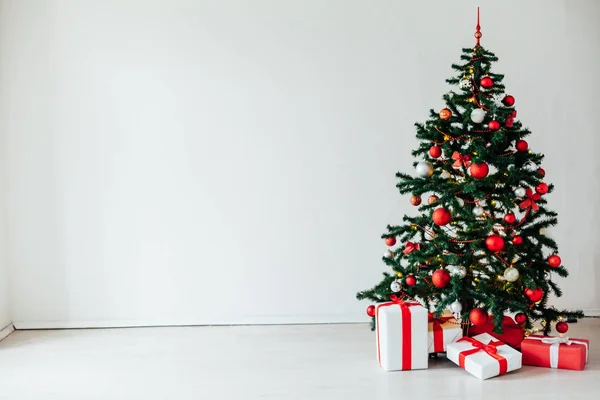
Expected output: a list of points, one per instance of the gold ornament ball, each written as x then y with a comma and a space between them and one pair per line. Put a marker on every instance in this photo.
415, 200
432, 199
399, 274
445, 114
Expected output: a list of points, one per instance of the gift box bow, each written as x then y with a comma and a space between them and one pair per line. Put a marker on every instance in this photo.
490, 349
555, 343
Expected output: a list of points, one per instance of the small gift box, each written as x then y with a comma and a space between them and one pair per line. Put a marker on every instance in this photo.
555, 352
483, 357
401, 335
442, 331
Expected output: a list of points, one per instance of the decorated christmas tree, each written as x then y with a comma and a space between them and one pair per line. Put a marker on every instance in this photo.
478, 244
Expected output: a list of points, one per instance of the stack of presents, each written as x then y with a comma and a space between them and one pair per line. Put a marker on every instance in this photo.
407, 334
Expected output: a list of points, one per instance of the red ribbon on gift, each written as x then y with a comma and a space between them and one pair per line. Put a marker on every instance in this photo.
406, 329
488, 348
410, 247
459, 160
530, 200
438, 332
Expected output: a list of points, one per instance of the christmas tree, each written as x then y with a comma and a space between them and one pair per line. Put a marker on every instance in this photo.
478, 245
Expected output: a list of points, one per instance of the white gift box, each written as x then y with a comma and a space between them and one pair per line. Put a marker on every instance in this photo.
443, 331
483, 356
401, 329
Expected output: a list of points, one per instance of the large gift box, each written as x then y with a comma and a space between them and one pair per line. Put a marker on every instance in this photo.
555, 352
442, 331
401, 335
483, 356
512, 334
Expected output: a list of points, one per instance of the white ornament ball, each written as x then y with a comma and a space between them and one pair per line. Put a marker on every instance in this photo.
424, 169
547, 276
511, 274
461, 202
477, 115
429, 236
460, 271
520, 192
465, 84
456, 307
445, 175
478, 211
388, 254
395, 287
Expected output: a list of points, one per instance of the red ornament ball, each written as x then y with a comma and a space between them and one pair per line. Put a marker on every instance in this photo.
508, 100
517, 240
479, 171
542, 188
534, 295
440, 278
541, 171
562, 327
435, 151
415, 200
522, 145
554, 261
445, 114
520, 318
486, 82
510, 218
371, 310
410, 280
432, 199
441, 216
494, 125
494, 243
478, 316
390, 241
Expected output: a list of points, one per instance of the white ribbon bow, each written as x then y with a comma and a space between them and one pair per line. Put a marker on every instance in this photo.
555, 343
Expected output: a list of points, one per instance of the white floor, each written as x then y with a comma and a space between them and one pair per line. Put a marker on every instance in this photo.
255, 362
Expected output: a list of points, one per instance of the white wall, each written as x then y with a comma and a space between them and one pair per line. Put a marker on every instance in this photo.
183, 162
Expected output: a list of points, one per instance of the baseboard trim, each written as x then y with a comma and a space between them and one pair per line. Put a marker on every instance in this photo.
296, 320
7, 330
594, 312
32, 325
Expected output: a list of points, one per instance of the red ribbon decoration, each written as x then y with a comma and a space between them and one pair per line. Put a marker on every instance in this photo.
510, 119
530, 200
406, 329
459, 160
488, 348
410, 247
438, 332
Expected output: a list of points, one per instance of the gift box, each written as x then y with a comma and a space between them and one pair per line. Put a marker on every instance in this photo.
442, 331
401, 329
483, 356
512, 334
555, 352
